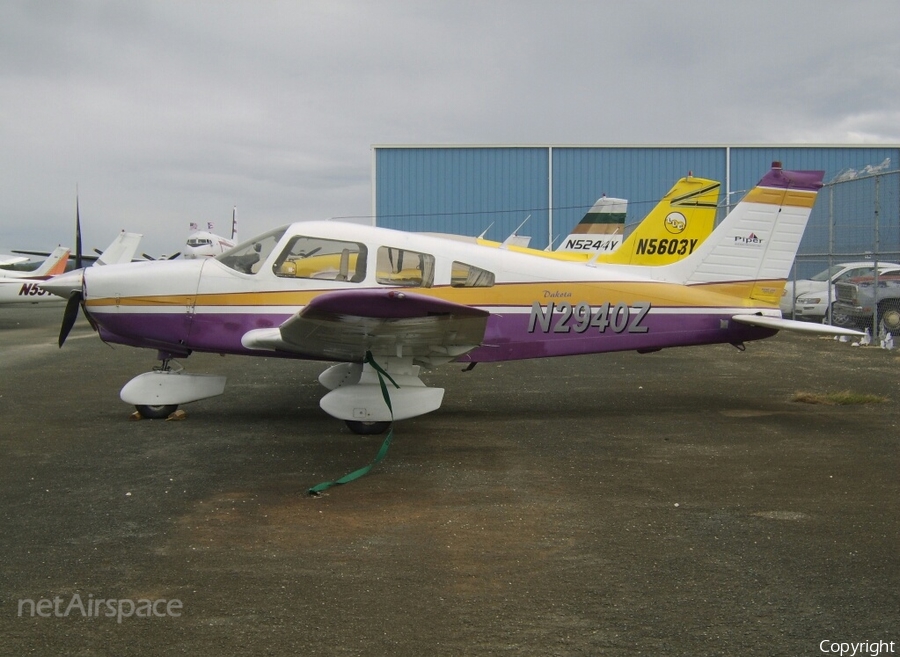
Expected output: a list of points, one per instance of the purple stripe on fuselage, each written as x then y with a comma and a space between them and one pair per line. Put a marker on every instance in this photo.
507, 336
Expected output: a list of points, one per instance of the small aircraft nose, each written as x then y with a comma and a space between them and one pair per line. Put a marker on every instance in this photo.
64, 284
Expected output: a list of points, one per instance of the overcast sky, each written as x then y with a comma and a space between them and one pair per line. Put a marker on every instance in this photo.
167, 113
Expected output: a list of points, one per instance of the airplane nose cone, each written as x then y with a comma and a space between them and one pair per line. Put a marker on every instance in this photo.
64, 284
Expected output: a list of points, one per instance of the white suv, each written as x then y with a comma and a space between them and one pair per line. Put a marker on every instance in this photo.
809, 300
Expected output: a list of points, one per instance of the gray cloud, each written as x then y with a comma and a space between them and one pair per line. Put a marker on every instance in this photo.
170, 112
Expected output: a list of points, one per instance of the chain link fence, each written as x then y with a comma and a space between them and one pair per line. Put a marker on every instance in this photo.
856, 218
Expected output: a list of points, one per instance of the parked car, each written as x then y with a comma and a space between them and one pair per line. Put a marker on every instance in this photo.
809, 298
858, 298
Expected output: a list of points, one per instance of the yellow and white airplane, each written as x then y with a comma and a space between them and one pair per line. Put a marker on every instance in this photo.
677, 225
381, 302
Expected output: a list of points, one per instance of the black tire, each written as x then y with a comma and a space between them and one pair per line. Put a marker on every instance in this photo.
889, 314
367, 428
840, 319
156, 412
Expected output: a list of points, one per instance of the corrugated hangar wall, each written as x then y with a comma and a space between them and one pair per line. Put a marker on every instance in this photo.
470, 189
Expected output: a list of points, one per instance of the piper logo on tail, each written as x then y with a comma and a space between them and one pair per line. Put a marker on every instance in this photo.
750, 239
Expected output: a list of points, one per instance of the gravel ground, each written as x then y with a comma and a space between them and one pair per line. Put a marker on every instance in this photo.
676, 503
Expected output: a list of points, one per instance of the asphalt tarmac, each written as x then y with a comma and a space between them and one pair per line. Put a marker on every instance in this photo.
676, 503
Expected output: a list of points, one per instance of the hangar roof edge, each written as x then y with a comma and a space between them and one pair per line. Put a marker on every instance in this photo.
717, 145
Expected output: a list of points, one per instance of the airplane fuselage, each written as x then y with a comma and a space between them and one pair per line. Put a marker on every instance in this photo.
25, 291
537, 307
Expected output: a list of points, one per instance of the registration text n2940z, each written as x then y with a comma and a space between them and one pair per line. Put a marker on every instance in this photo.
566, 317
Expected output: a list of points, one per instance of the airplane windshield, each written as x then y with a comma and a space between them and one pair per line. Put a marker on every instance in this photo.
248, 256
827, 274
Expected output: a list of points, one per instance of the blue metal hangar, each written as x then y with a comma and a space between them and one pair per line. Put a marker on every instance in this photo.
470, 189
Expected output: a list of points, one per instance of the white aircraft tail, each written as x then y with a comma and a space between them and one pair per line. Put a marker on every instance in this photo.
54, 264
121, 250
602, 228
758, 240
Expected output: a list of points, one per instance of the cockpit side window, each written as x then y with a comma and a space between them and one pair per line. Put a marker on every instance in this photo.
322, 259
464, 275
248, 257
404, 268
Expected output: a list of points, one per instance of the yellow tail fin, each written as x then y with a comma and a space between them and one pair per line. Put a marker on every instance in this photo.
678, 224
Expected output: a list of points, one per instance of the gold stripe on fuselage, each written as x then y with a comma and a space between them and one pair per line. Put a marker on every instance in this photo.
708, 295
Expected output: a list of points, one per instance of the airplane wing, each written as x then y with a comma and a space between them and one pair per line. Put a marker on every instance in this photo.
5, 261
344, 325
794, 325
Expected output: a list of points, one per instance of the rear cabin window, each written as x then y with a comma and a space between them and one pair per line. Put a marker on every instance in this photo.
322, 259
404, 268
464, 275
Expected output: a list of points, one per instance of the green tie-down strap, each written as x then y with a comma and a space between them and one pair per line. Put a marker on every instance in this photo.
382, 452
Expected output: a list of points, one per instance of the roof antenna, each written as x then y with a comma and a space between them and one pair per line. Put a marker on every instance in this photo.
515, 234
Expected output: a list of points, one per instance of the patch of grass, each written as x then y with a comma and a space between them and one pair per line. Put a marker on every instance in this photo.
843, 398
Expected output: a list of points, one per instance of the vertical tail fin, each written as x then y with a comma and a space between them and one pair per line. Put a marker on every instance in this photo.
121, 250
601, 229
679, 223
758, 240
55, 263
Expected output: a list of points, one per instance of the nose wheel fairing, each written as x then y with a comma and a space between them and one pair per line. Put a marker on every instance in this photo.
170, 387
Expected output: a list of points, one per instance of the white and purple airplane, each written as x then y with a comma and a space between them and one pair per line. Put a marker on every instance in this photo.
380, 302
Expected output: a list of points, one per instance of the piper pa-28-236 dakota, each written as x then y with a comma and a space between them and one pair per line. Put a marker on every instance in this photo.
385, 302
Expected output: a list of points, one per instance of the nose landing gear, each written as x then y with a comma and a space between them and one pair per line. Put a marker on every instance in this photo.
157, 394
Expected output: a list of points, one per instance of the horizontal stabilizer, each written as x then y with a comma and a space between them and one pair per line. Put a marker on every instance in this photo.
794, 325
